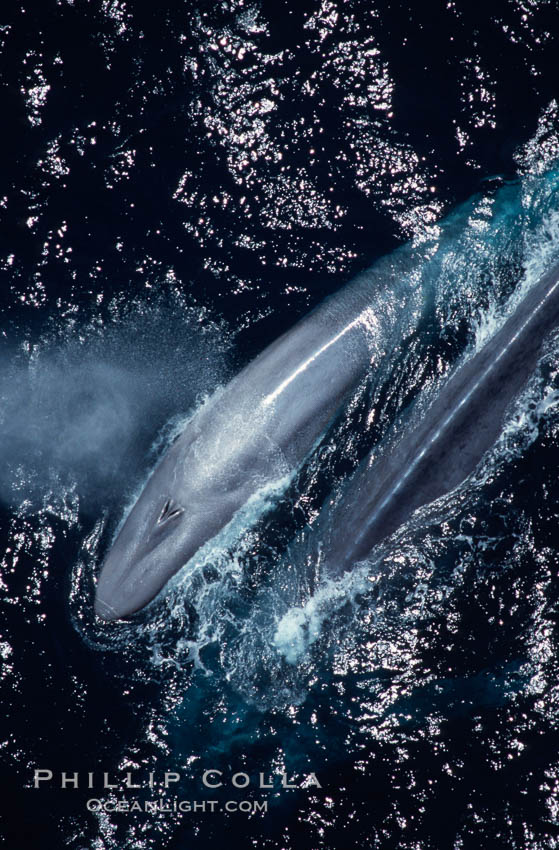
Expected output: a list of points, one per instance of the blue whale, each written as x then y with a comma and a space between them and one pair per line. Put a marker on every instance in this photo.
251, 434
261, 426
462, 423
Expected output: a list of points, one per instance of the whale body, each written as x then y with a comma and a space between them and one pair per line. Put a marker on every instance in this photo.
254, 432
462, 423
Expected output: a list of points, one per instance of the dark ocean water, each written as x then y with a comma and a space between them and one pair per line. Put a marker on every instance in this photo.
181, 182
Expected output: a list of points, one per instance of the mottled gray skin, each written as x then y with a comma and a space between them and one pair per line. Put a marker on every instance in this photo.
460, 426
252, 433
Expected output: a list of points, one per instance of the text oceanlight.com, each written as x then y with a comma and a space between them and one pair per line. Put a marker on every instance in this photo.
169, 806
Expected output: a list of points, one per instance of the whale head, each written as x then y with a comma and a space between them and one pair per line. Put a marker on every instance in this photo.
178, 511
190, 496
158, 537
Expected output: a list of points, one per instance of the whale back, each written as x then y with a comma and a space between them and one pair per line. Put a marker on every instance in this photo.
462, 423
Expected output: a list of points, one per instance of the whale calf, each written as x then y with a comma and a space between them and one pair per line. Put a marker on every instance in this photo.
255, 431
462, 423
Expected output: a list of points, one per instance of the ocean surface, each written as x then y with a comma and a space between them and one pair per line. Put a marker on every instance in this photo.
182, 182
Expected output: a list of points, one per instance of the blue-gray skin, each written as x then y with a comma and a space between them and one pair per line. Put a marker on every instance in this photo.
258, 429
464, 422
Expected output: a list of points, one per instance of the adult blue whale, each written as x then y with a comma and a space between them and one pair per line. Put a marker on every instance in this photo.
462, 423
253, 432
